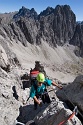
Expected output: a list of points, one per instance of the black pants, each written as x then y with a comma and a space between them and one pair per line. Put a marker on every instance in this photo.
44, 97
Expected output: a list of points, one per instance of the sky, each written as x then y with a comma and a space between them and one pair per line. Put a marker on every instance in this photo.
40, 5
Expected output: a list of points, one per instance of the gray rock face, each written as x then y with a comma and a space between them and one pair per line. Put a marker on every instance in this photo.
54, 115
60, 22
24, 12
77, 39
7, 57
9, 106
6, 18
29, 29
55, 26
73, 93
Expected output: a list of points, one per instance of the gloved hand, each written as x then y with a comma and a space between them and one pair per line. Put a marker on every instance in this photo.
40, 104
60, 87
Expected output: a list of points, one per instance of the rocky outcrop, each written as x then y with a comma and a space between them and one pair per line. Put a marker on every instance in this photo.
26, 13
73, 94
77, 39
60, 22
7, 57
17, 31
9, 106
6, 18
53, 115
3, 57
29, 29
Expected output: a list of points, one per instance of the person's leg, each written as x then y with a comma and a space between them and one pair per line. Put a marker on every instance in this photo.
35, 103
47, 98
43, 98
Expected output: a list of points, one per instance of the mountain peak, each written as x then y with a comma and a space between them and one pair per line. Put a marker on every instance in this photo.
25, 12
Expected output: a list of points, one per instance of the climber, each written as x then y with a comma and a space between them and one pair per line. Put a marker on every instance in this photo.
38, 90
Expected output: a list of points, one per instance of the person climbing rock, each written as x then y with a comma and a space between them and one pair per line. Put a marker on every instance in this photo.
39, 67
38, 90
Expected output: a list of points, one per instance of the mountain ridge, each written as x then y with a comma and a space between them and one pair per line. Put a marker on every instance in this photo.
59, 21
48, 39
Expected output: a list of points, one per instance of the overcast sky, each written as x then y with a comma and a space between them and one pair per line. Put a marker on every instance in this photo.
40, 5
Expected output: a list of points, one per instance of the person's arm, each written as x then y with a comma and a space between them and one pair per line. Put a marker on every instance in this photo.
55, 84
36, 100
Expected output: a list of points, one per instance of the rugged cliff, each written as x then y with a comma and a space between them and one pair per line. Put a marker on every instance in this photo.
51, 37
56, 26
77, 39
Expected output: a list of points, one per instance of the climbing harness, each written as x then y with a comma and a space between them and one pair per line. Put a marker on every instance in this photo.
44, 93
48, 91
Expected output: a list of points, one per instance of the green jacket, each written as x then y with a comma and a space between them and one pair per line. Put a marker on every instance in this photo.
40, 89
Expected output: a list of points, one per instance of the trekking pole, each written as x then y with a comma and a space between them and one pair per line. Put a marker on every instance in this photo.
28, 98
60, 87
48, 91
75, 112
43, 93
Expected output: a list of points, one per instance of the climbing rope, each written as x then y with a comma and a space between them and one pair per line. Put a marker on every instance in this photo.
60, 87
42, 93
75, 112
72, 104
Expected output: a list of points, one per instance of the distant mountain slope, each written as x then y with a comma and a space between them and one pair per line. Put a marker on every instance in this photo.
60, 62
56, 27
77, 39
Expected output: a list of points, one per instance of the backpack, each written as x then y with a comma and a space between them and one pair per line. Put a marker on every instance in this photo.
33, 76
33, 80
34, 72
